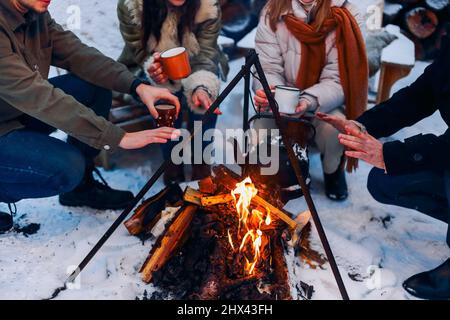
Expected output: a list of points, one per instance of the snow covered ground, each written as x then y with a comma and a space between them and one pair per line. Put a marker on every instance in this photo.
376, 246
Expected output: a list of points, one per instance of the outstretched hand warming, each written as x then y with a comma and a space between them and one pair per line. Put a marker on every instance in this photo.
363, 146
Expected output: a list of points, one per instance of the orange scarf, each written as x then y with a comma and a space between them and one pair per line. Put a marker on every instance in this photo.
352, 57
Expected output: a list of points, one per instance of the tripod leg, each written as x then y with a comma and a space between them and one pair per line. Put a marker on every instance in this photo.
246, 126
301, 180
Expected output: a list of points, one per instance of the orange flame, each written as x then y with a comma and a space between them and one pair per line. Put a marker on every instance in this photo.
246, 191
251, 242
230, 240
268, 217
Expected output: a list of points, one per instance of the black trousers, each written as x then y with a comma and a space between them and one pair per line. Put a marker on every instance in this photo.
427, 192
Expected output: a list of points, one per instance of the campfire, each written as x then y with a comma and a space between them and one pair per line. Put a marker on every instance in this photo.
225, 240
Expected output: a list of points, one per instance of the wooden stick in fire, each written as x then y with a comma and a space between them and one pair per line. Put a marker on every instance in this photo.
167, 244
198, 198
229, 179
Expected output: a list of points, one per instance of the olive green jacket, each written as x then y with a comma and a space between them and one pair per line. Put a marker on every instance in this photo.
29, 45
208, 62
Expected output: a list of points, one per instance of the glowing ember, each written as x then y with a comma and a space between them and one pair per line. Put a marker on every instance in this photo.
250, 222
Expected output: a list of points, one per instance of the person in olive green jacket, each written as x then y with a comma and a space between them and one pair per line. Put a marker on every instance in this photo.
34, 165
150, 27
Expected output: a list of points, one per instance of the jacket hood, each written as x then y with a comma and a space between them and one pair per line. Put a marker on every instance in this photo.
208, 10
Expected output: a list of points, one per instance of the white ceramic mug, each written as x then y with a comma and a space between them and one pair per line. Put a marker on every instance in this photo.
287, 98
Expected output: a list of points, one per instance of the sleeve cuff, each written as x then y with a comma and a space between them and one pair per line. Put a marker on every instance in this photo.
111, 138
394, 154
200, 79
365, 121
136, 83
313, 102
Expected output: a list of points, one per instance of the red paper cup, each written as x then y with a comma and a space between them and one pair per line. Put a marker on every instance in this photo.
167, 114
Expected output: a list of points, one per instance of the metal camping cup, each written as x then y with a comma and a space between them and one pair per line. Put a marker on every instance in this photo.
175, 63
287, 98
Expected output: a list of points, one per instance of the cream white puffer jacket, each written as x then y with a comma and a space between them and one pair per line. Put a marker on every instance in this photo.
280, 54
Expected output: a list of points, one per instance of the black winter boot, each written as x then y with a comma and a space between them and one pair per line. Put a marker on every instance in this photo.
335, 184
95, 194
431, 285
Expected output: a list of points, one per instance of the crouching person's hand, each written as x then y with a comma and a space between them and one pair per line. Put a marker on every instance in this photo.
363, 146
137, 140
149, 95
339, 123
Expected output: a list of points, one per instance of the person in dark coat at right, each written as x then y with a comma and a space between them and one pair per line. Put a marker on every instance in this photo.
414, 174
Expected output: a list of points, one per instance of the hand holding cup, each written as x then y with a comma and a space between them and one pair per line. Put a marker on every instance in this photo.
149, 95
261, 100
175, 63
287, 99
156, 70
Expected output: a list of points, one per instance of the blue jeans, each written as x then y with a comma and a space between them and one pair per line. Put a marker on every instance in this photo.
210, 123
34, 165
427, 192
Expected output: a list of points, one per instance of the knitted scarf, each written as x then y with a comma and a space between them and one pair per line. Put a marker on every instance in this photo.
352, 57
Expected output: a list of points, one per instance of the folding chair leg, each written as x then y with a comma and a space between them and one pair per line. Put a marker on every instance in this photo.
390, 74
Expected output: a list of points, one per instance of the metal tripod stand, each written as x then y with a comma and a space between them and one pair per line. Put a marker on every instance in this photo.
245, 73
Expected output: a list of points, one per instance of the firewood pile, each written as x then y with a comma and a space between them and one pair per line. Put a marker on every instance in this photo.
224, 240
423, 22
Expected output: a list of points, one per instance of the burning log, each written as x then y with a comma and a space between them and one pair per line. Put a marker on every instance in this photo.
308, 255
193, 196
207, 186
168, 243
274, 210
215, 200
302, 220
281, 289
149, 212
198, 198
135, 225
227, 179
